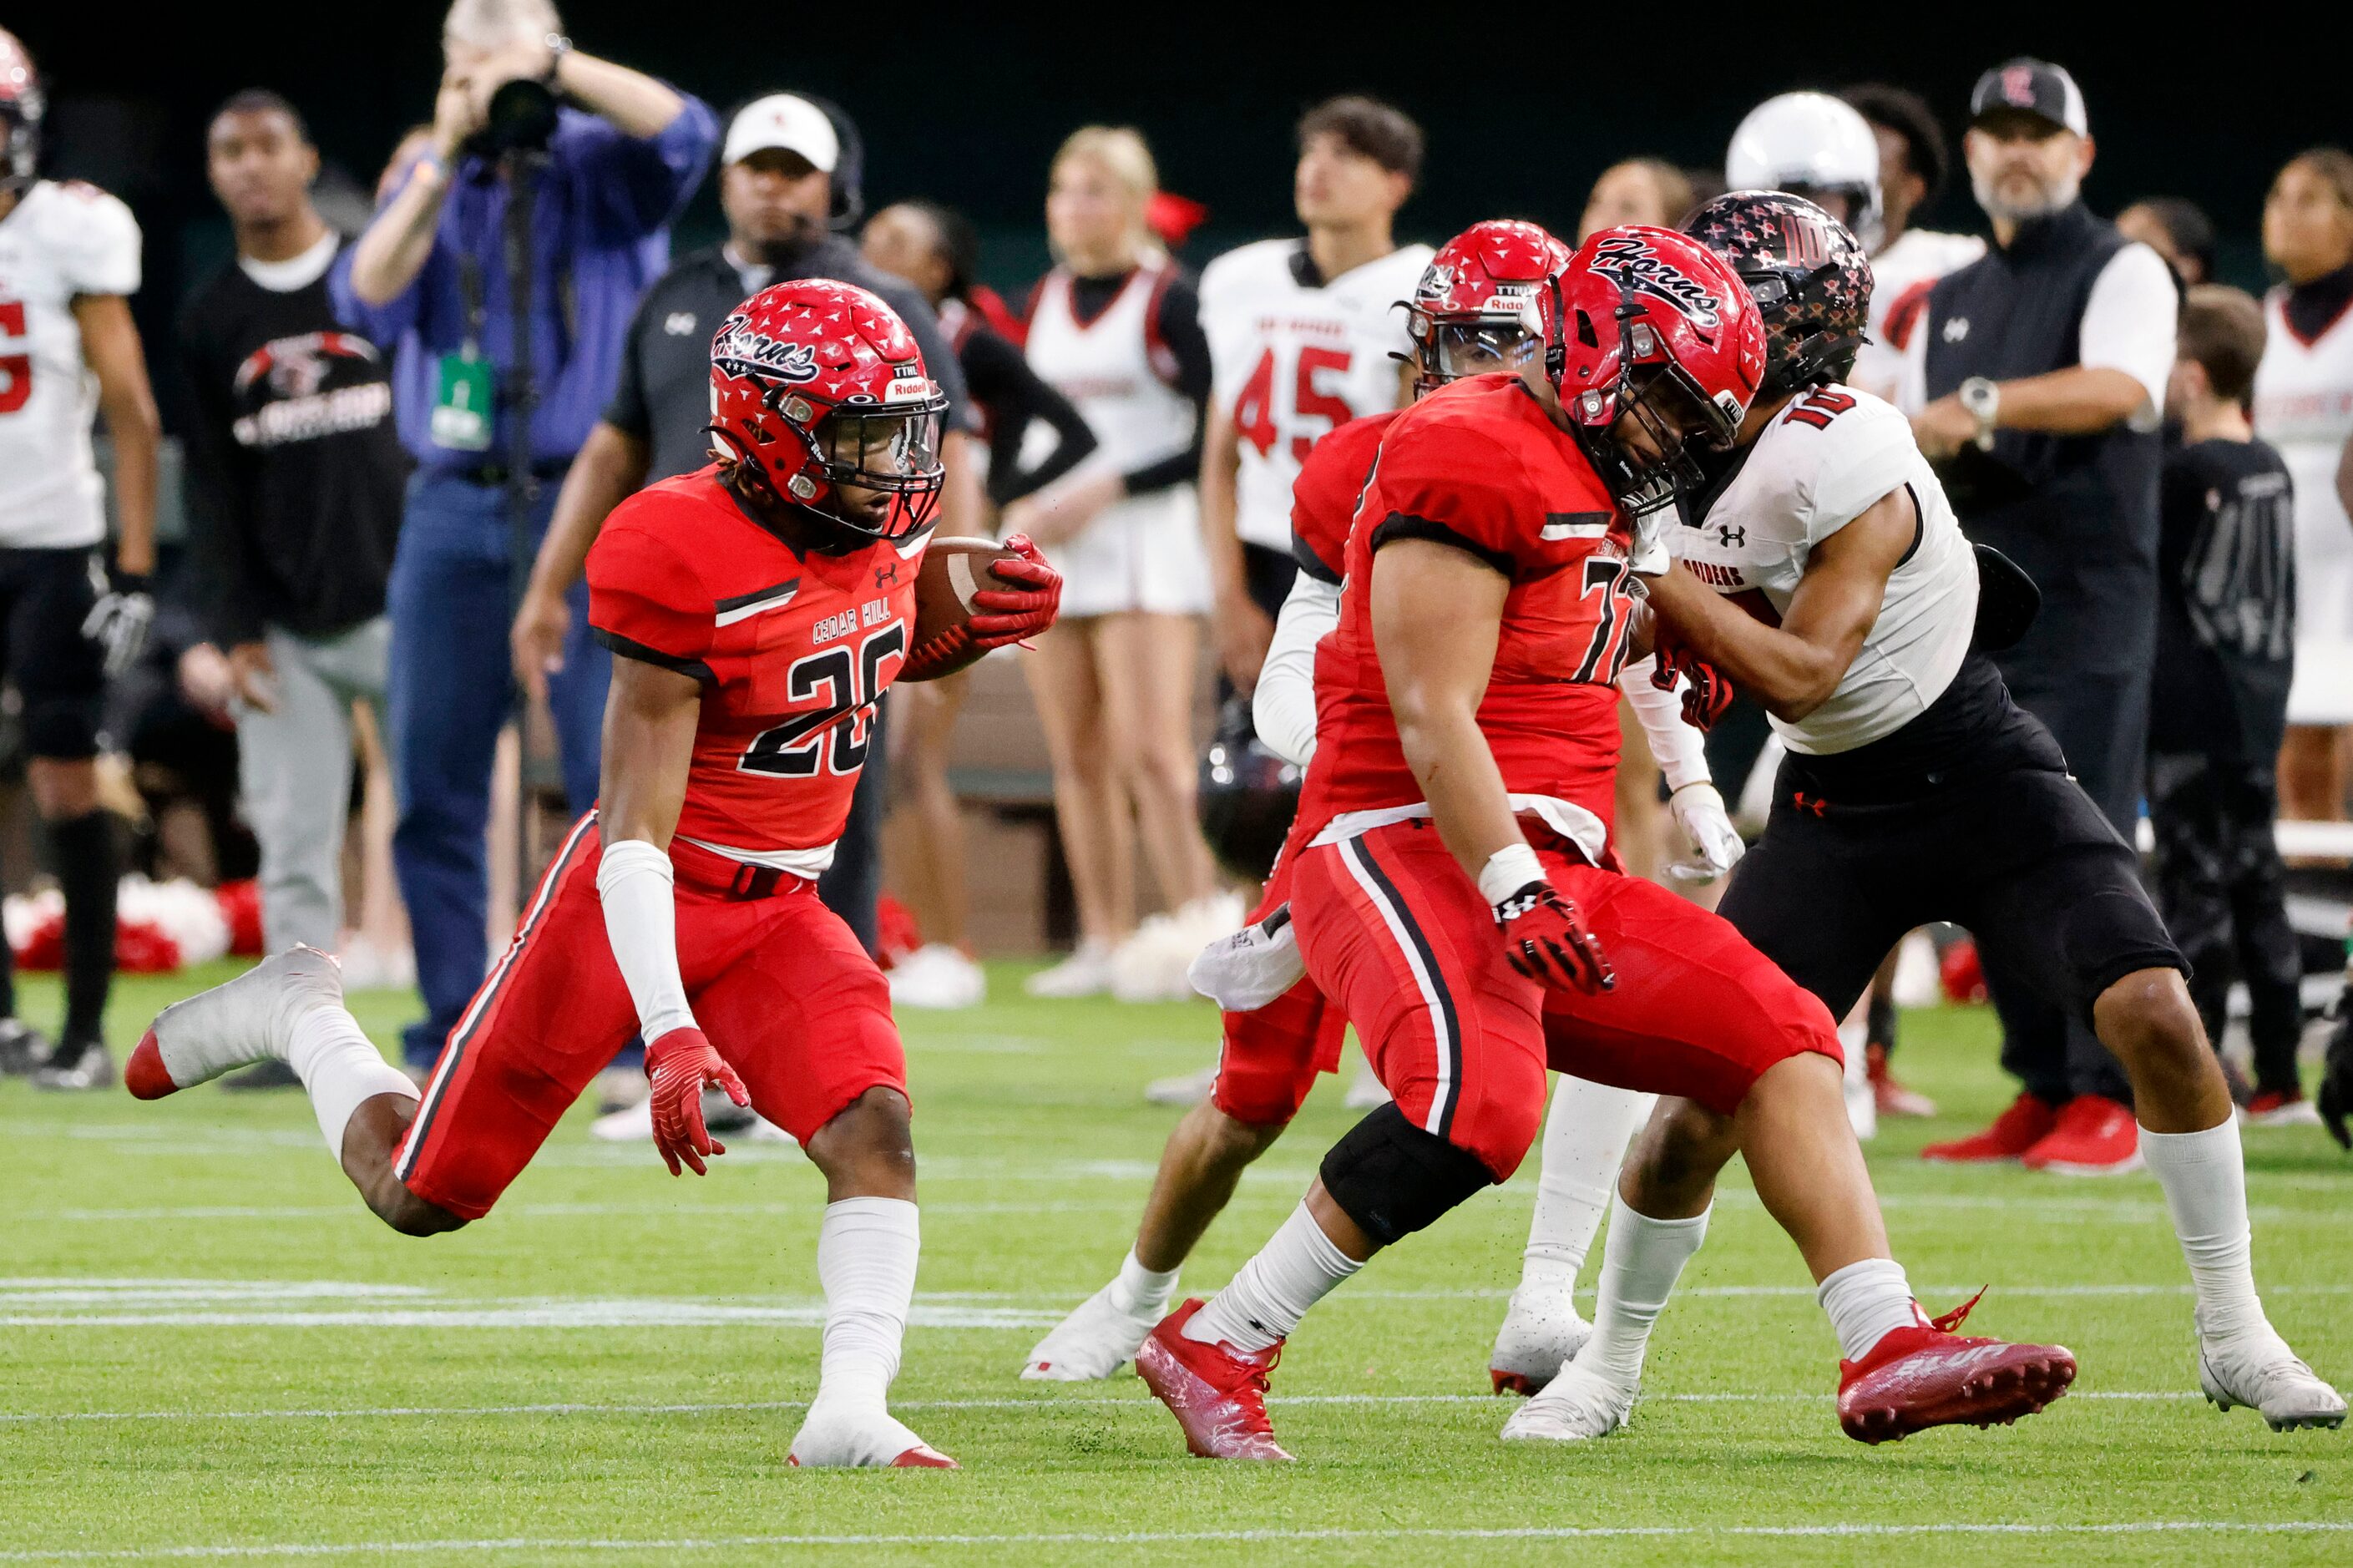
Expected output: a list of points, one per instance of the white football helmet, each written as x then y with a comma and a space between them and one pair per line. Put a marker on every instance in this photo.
1812, 146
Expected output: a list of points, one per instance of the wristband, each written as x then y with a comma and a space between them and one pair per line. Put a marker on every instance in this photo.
1507, 871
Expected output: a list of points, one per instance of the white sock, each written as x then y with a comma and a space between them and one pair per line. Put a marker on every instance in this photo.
1142, 1292
866, 1250
2205, 1182
1297, 1268
340, 1069
1865, 1301
1585, 1137
1640, 1265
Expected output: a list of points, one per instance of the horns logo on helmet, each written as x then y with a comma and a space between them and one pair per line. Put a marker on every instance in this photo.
740, 343
1647, 272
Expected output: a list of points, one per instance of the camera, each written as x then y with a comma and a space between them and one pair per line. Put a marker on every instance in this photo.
521, 118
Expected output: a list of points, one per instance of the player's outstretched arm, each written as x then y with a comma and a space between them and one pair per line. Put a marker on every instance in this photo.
650, 722
1792, 668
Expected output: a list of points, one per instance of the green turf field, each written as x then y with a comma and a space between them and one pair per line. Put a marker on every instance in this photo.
212, 1351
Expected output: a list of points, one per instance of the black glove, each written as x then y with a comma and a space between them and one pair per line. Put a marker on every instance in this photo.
2337, 1073
119, 621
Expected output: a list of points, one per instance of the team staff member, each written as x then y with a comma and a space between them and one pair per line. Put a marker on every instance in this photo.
1115, 326
934, 248
2037, 381
297, 473
68, 264
430, 273
2304, 406
788, 173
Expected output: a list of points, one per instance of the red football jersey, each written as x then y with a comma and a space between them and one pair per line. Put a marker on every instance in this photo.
1479, 465
792, 651
1324, 496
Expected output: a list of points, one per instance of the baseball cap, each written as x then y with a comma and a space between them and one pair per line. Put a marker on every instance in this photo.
2025, 86
784, 120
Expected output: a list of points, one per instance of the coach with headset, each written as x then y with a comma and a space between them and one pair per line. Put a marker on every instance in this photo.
2036, 381
789, 175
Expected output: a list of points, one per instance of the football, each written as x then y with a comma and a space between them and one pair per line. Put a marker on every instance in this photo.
954, 570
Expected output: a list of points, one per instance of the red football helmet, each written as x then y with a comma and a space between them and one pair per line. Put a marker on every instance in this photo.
1651, 324
21, 106
817, 387
1471, 312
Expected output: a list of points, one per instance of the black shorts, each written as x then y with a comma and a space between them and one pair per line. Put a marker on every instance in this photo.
59, 674
1977, 822
1269, 574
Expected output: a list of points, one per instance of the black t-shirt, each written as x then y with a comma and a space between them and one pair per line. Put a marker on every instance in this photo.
295, 464
663, 394
2226, 602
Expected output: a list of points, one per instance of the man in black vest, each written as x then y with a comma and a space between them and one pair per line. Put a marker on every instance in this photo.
2036, 381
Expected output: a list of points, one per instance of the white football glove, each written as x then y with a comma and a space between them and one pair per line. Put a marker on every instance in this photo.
1716, 844
118, 623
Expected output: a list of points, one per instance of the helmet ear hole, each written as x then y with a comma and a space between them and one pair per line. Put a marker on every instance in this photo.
1584, 333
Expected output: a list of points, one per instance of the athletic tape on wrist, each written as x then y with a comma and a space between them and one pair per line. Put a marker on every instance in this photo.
1508, 871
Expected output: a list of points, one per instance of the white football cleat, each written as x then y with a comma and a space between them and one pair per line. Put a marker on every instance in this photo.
1365, 1091
1094, 1342
938, 976
2257, 1370
630, 1124
1086, 972
1542, 1333
1182, 1088
1575, 1407
1151, 965
232, 1025
861, 1439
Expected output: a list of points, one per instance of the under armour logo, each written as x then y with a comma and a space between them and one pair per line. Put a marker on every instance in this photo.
887, 575
1956, 328
679, 323
1732, 537
1805, 802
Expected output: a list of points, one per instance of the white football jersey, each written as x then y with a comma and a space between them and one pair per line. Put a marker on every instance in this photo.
1901, 277
1820, 464
59, 240
1291, 362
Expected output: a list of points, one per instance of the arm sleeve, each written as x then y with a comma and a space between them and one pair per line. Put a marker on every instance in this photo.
1283, 706
219, 509
1679, 750
642, 186
637, 885
645, 602
102, 255
2128, 325
1180, 352
1017, 397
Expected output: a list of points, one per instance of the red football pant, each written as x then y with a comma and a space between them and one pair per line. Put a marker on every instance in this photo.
1404, 943
779, 984
1269, 1056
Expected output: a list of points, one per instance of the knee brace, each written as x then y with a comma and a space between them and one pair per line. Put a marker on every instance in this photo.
1393, 1179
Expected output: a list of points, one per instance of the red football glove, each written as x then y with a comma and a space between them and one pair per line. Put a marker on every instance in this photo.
1023, 610
680, 1064
1709, 693
1545, 940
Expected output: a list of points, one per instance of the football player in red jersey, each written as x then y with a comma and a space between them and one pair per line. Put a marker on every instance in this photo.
1466, 318
759, 606
1458, 898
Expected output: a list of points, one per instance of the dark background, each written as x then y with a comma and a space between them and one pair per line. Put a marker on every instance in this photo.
965, 104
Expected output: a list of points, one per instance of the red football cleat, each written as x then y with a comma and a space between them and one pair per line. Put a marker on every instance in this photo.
1216, 1393
1927, 1376
1893, 1098
2094, 1136
2026, 1123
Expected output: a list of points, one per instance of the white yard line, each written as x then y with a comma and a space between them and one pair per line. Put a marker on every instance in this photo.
1179, 1537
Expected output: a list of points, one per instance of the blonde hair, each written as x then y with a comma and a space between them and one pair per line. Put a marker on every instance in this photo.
1121, 151
489, 23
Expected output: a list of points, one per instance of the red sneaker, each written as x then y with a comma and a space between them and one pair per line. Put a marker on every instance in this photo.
2026, 1123
1216, 1393
2267, 1108
1893, 1098
1927, 1376
2094, 1136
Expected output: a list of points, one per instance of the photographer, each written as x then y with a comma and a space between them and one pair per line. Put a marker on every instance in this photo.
432, 272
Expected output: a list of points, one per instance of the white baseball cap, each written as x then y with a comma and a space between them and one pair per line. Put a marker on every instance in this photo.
782, 120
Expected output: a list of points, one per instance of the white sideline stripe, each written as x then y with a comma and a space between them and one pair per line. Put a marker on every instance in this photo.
1154, 1537
722, 1407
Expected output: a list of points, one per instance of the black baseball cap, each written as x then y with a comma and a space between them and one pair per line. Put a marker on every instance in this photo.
2025, 86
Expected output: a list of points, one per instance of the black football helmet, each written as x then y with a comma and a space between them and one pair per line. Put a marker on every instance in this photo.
21, 107
1248, 795
1808, 272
